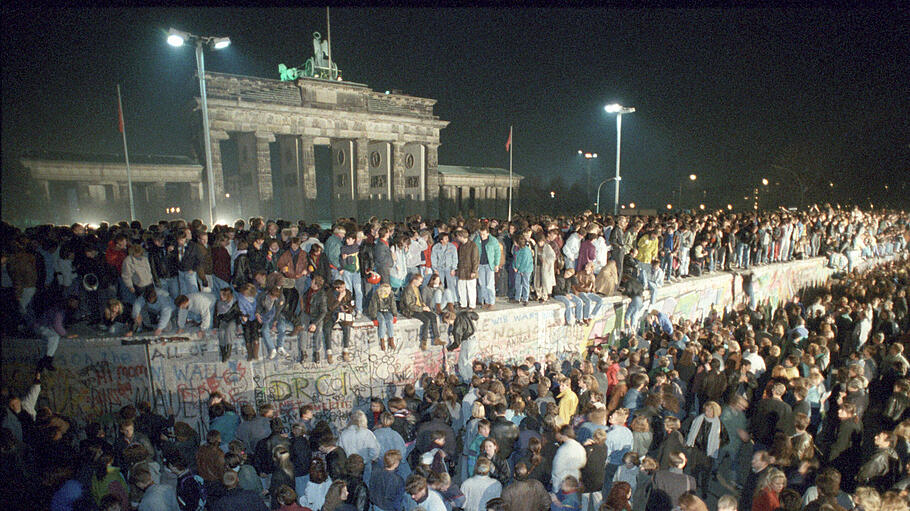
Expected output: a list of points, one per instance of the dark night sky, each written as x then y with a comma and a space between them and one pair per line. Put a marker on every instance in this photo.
724, 94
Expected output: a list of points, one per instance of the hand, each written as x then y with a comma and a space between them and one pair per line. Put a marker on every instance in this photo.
425, 308
201, 334
312, 328
72, 336
128, 334
170, 248
258, 317
452, 272
157, 331
473, 276
554, 499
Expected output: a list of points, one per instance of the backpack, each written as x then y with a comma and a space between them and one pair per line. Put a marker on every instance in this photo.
191, 492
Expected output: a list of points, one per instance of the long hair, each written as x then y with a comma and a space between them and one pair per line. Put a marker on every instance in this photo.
333, 498
618, 498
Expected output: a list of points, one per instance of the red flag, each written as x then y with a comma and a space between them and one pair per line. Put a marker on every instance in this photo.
509, 141
119, 114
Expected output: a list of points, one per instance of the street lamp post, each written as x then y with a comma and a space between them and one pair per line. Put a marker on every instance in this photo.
178, 38
589, 157
617, 109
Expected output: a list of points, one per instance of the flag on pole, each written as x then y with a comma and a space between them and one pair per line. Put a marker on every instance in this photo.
119, 114
509, 141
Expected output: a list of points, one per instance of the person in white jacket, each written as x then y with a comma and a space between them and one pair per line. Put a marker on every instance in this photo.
570, 249
196, 306
136, 271
358, 439
570, 458
480, 488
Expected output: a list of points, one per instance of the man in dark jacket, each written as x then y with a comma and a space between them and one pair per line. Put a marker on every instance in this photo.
262, 456
672, 482
504, 431
236, 497
845, 454
382, 256
772, 415
316, 309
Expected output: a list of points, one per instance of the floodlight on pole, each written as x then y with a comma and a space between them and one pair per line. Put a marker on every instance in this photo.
616, 108
692, 177
178, 38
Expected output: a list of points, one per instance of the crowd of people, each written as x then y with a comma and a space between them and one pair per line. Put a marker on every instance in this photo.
275, 279
802, 406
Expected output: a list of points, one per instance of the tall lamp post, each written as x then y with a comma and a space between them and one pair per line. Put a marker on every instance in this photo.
177, 38
617, 109
589, 158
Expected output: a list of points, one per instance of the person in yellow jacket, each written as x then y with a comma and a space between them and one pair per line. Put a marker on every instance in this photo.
568, 400
648, 247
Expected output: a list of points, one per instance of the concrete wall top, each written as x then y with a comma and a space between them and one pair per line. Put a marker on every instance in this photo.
95, 377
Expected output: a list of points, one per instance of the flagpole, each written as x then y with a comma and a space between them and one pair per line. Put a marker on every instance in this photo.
511, 146
328, 38
126, 155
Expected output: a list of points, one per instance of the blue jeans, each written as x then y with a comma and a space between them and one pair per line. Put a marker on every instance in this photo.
574, 307
52, 337
188, 283
632, 311
218, 285
486, 285
593, 304
742, 255
653, 288
172, 286
386, 328
666, 263
522, 286
352, 282
450, 282
274, 340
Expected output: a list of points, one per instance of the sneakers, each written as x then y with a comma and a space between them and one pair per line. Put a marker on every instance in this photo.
438, 342
283, 352
273, 354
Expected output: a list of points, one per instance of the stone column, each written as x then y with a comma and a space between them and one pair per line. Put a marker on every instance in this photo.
400, 204
264, 166
362, 169
308, 164
217, 170
45, 187
432, 180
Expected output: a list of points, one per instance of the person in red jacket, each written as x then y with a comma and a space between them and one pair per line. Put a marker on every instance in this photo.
768, 492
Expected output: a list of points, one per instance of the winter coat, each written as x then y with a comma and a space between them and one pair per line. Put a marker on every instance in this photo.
378, 304
545, 270
493, 249
411, 301
382, 260
136, 272
288, 268
463, 326
444, 258
468, 261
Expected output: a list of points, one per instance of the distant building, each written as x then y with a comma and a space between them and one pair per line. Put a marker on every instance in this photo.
93, 187
475, 191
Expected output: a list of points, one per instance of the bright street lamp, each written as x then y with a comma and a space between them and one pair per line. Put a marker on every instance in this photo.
589, 157
178, 38
692, 177
616, 108
764, 181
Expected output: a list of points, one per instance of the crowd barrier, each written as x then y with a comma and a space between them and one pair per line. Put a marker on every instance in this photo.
95, 377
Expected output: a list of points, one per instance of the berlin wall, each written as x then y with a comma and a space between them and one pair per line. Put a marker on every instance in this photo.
96, 377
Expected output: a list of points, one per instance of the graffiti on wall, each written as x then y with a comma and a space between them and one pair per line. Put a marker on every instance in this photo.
96, 377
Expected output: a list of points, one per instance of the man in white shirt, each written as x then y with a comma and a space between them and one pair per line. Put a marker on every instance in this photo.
196, 306
570, 458
480, 488
428, 499
758, 363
